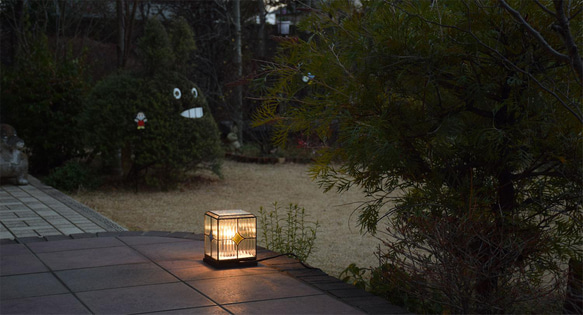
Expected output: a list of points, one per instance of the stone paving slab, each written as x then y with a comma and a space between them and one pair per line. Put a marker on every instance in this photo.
162, 273
37, 210
48, 304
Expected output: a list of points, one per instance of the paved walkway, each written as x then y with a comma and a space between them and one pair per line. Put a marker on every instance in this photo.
60, 257
38, 210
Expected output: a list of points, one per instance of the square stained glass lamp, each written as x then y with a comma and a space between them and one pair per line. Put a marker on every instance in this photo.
230, 238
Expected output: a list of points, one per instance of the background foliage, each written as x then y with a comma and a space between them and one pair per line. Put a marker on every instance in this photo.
45, 88
462, 129
54, 52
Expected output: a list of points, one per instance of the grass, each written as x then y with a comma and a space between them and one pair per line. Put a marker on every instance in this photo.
248, 187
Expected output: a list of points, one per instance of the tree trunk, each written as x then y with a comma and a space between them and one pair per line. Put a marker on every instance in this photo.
574, 299
492, 259
117, 168
261, 31
121, 47
239, 64
128, 35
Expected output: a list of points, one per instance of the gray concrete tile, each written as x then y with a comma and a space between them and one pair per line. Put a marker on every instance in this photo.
61, 223
29, 216
56, 204
14, 223
4, 234
22, 234
68, 231
28, 199
46, 212
23, 229
173, 251
54, 304
17, 207
251, 288
96, 257
70, 244
18, 194
54, 218
37, 205
8, 203
151, 298
8, 215
88, 224
47, 231
29, 285
79, 220
33, 222
93, 230
118, 276
318, 304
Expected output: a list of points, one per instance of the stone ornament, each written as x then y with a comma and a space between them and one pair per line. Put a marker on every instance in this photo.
13, 160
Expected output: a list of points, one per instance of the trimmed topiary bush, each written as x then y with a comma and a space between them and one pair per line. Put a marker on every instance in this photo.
166, 144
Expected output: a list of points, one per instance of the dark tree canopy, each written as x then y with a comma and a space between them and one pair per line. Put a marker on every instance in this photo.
461, 121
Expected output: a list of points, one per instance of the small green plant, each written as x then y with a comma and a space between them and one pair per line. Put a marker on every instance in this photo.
73, 176
289, 234
393, 284
355, 275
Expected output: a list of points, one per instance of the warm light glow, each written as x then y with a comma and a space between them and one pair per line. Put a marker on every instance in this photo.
230, 235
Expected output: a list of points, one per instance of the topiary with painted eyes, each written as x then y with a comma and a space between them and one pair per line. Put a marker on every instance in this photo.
170, 143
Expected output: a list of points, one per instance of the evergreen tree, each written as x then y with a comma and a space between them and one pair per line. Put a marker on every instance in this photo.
461, 122
155, 49
183, 44
169, 144
42, 98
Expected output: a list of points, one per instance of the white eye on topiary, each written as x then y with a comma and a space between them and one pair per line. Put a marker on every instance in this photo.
177, 93
194, 92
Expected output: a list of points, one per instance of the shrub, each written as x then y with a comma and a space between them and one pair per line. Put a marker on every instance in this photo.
289, 234
169, 144
73, 176
41, 97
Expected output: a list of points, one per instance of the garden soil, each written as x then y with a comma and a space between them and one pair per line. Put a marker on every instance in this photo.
248, 186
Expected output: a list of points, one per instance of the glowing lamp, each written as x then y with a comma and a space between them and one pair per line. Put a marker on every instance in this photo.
230, 238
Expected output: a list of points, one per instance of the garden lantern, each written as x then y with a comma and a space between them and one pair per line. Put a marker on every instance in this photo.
283, 27
230, 238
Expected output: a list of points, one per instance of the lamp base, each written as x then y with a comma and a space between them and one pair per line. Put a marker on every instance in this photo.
230, 263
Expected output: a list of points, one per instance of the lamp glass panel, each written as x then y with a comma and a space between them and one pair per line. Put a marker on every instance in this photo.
247, 227
247, 248
227, 231
228, 236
